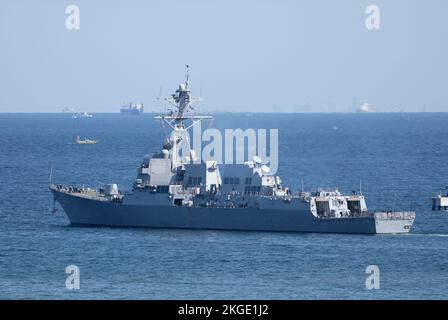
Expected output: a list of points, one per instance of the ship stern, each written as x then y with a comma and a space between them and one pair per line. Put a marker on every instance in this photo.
394, 222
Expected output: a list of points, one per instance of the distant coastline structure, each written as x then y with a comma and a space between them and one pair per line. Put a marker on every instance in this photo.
68, 110
365, 108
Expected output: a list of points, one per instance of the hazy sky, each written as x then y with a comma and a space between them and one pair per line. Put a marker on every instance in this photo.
246, 55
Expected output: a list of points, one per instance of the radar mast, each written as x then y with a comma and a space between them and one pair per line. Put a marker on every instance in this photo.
178, 144
181, 99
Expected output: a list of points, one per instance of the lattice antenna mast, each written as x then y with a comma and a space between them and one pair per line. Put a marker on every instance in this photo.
181, 99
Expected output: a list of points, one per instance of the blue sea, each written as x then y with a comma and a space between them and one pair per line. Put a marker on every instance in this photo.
400, 158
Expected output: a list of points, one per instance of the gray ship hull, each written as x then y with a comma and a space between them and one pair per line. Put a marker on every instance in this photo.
134, 112
85, 211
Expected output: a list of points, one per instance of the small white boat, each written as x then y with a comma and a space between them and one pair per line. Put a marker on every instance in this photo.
82, 115
85, 141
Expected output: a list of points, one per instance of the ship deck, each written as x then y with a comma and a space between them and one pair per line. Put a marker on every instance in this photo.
86, 193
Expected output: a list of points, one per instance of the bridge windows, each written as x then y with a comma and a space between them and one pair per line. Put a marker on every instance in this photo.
248, 190
194, 181
231, 180
162, 189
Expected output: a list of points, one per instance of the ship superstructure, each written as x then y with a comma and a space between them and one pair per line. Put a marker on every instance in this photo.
440, 202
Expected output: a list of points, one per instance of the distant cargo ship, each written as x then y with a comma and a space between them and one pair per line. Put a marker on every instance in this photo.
132, 108
365, 108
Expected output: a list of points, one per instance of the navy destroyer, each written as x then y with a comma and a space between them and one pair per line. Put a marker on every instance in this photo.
175, 191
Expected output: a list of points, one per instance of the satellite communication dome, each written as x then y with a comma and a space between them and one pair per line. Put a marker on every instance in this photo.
265, 169
257, 160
